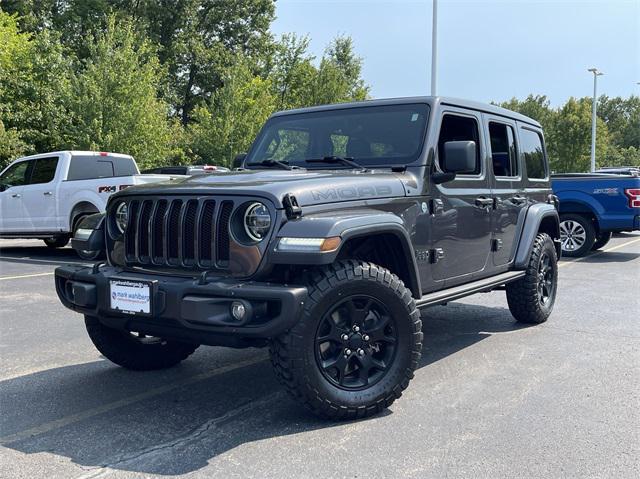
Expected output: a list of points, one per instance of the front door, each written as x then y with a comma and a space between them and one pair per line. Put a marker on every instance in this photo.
462, 208
508, 190
39, 196
11, 208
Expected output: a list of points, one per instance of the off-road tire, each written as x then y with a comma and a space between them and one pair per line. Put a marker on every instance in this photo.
601, 240
589, 234
126, 350
57, 241
523, 295
293, 354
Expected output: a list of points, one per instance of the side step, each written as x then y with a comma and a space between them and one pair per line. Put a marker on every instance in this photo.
457, 292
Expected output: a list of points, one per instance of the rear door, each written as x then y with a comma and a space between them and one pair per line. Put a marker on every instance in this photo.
40, 195
508, 190
12, 181
461, 214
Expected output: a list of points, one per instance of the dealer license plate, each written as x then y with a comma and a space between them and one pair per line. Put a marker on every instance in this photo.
133, 297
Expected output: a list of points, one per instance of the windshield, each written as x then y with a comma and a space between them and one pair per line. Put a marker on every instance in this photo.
371, 136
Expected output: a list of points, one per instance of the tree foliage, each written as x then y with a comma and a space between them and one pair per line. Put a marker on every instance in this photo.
192, 81
568, 130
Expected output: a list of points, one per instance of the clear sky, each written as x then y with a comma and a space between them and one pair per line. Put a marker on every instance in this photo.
488, 49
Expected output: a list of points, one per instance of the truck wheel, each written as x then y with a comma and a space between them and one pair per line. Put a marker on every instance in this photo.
134, 350
57, 241
577, 235
531, 298
356, 345
601, 240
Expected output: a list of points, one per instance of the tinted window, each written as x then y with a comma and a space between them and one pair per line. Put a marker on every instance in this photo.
373, 135
459, 128
124, 166
533, 153
503, 150
16, 175
44, 170
90, 167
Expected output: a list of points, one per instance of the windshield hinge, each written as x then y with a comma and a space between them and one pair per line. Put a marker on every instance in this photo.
291, 206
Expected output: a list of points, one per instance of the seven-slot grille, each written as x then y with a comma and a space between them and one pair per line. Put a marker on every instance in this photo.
179, 232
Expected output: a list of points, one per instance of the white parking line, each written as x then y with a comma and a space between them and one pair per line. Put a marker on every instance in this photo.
46, 261
34, 275
96, 411
613, 248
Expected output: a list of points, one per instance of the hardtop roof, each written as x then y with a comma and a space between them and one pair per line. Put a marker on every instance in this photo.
431, 100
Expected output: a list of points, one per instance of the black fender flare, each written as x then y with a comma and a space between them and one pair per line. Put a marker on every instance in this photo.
536, 215
347, 228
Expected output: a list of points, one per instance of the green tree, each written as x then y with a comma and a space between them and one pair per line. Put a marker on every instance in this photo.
34, 82
229, 124
114, 101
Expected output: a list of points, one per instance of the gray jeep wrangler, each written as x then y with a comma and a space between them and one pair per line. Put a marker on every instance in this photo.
331, 234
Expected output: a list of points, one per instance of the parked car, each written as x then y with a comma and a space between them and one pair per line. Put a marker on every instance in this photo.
620, 170
186, 170
593, 206
45, 196
342, 223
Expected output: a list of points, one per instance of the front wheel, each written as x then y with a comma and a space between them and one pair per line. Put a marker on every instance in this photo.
136, 351
357, 344
532, 297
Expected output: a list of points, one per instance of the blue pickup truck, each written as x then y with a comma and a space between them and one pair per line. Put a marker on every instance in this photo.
593, 206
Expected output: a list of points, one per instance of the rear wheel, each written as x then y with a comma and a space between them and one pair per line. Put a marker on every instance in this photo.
57, 241
357, 344
135, 350
532, 297
601, 240
577, 235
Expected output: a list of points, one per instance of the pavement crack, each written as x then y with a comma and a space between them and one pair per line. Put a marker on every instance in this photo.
194, 435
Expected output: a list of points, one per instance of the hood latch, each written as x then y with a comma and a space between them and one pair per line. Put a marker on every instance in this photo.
291, 206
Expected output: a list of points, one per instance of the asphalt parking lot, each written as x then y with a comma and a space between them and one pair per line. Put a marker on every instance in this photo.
490, 398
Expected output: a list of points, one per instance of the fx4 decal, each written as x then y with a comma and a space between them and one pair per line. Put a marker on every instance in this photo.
112, 188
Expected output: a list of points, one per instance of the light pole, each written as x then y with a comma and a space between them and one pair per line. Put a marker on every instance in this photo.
434, 48
596, 74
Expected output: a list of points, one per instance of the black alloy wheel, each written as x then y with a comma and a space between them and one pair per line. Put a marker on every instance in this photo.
355, 342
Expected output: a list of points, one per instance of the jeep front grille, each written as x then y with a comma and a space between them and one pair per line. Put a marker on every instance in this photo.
180, 232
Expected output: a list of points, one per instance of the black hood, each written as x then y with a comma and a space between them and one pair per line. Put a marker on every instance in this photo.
309, 186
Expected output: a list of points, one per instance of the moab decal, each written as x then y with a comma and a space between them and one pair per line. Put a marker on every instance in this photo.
350, 192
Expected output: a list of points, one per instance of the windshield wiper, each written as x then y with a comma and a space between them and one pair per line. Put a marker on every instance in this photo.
272, 163
337, 159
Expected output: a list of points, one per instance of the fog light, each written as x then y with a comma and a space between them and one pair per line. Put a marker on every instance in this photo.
238, 311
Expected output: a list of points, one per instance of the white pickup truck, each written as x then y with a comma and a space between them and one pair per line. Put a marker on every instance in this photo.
44, 196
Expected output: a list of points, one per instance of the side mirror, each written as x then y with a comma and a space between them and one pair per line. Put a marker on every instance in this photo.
459, 156
238, 161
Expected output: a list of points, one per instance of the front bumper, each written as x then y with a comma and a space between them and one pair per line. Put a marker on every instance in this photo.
184, 308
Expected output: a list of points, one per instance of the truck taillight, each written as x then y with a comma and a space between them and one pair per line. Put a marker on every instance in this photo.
634, 197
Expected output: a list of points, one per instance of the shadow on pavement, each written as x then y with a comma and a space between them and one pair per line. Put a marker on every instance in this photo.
35, 254
611, 257
82, 411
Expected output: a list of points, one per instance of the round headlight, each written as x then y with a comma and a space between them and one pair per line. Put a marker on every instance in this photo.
257, 221
122, 216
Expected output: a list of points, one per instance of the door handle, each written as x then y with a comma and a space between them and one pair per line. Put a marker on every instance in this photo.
518, 200
47, 193
483, 202
16, 195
